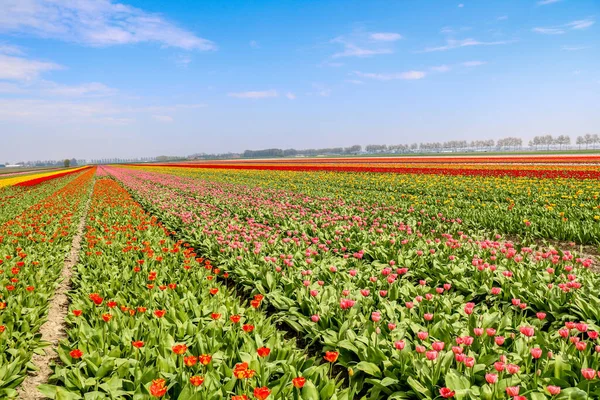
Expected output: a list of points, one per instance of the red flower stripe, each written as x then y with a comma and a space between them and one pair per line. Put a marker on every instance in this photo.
37, 181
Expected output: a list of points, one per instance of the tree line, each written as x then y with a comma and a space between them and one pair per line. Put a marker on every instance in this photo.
545, 142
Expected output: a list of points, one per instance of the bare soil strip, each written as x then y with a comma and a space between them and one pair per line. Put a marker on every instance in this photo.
54, 329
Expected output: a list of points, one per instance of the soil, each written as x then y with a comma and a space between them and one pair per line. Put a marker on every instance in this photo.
54, 329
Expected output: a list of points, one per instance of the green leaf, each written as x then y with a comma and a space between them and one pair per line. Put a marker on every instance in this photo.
368, 368
309, 391
572, 394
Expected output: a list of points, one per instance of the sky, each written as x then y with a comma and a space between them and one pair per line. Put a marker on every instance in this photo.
137, 78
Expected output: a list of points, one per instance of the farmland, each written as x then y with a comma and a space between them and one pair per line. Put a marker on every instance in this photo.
350, 278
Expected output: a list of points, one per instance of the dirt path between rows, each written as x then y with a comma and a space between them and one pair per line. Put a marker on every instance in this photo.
54, 329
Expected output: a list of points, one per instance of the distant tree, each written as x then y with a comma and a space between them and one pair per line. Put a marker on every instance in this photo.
67, 163
355, 149
74, 162
595, 139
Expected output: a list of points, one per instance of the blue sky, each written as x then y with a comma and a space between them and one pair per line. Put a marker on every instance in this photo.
101, 78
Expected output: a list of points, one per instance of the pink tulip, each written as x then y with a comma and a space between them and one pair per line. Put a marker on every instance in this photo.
553, 390
527, 331
399, 344
588, 373
438, 346
512, 369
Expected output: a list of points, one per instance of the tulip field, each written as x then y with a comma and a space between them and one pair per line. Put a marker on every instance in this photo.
414, 278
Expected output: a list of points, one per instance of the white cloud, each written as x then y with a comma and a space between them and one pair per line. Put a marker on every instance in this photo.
254, 44
581, 24
11, 88
10, 50
461, 5
385, 36
440, 68
255, 94
455, 44
502, 18
366, 47
355, 81
545, 2
22, 69
549, 31
473, 63
82, 110
409, 75
95, 23
355, 51
290, 95
87, 89
32, 110
561, 29
162, 118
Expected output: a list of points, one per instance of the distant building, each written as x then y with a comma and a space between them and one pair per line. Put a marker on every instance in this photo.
14, 166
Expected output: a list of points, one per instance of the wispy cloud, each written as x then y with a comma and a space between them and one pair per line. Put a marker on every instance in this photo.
10, 88
162, 118
254, 44
352, 50
385, 36
408, 75
255, 94
546, 2
581, 24
562, 29
23, 69
32, 110
93, 89
461, 5
95, 23
290, 96
549, 31
362, 45
502, 18
473, 63
10, 50
455, 44
82, 109
440, 68
355, 81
